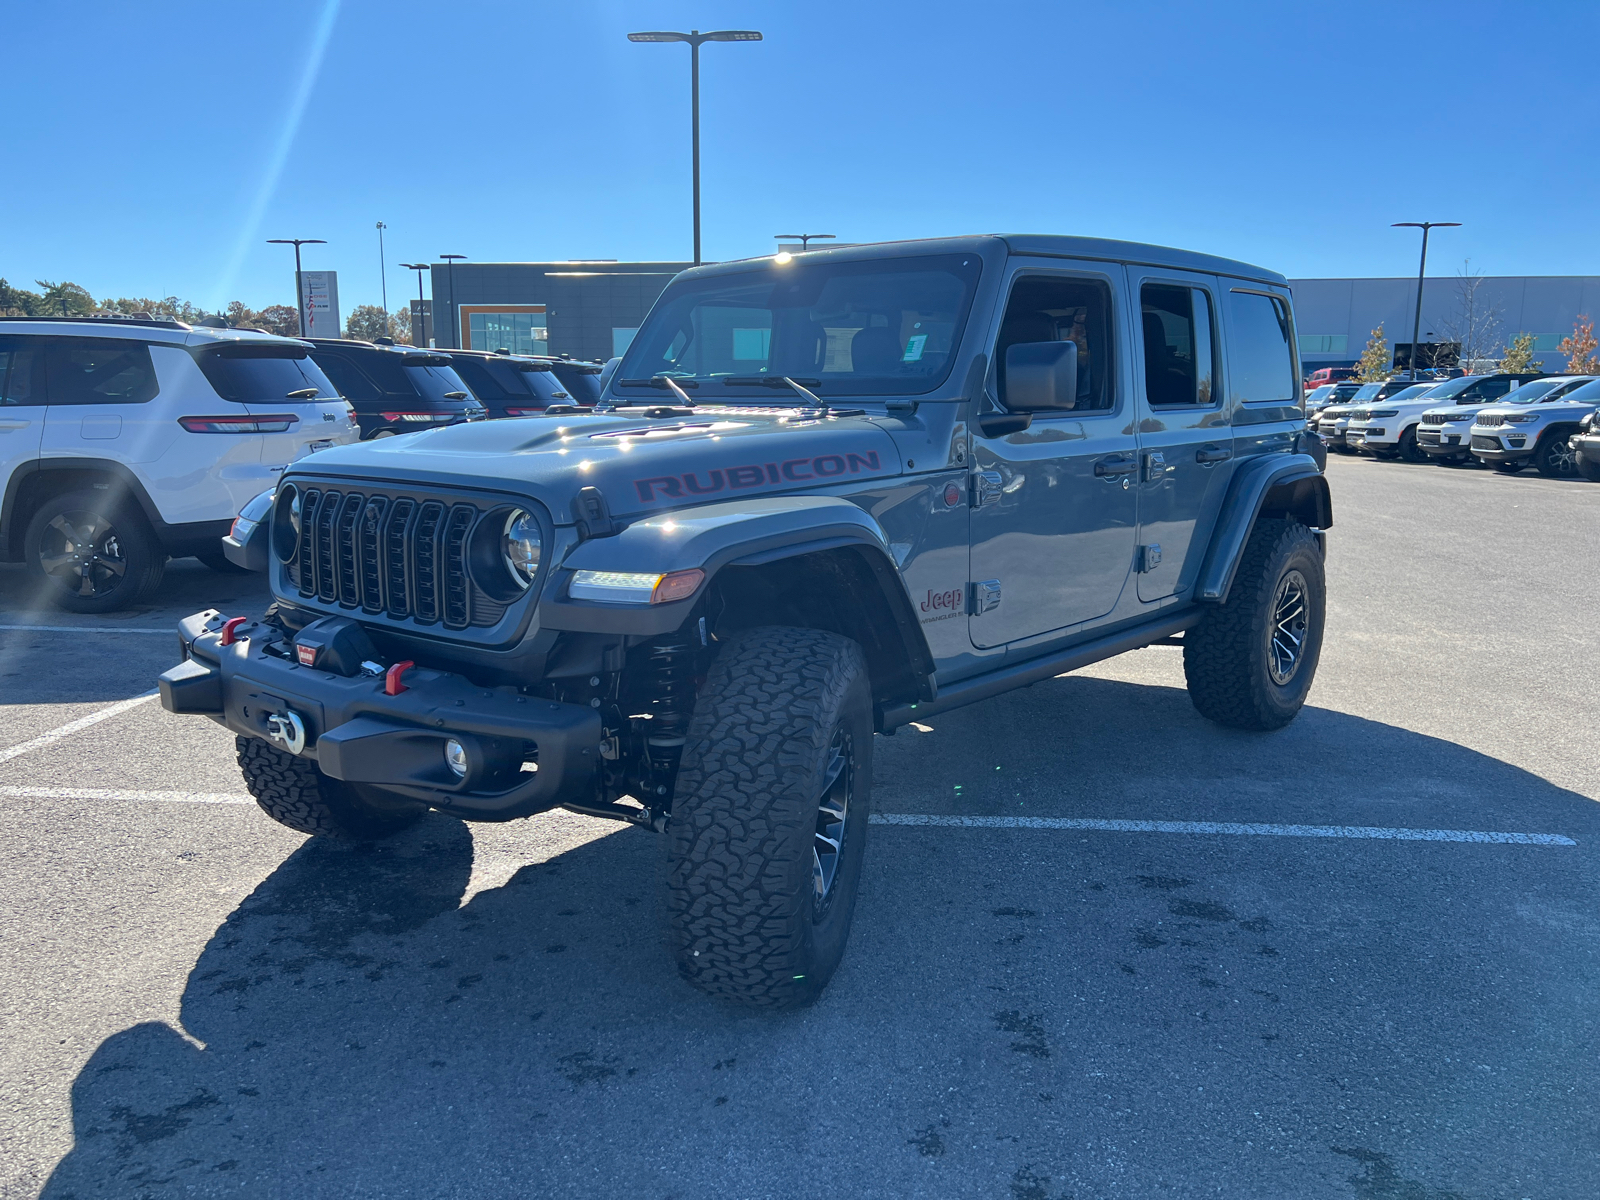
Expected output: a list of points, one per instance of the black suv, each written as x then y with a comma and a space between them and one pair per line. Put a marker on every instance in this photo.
512, 385
581, 379
395, 389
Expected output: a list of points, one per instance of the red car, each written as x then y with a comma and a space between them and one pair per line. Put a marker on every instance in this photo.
1328, 375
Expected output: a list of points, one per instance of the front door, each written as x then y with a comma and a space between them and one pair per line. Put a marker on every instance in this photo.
1055, 505
22, 405
1185, 432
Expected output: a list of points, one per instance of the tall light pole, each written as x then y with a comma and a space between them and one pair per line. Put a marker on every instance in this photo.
299, 291
694, 37
417, 328
455, 310
805, 238
383, 273
1416, 325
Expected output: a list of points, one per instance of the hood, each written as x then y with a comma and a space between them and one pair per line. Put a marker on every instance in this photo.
640, 464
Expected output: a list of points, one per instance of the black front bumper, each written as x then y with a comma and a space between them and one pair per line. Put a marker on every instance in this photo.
357, 733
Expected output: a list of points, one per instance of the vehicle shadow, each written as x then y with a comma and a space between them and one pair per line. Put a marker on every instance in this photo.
354, 1029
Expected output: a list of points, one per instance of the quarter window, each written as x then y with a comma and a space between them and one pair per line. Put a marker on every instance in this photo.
1260, 365
103, 371
1050, 309
1179, 366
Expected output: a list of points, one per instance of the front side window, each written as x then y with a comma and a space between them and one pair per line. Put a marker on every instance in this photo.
875, 327
1260, 364
1046, 308
1178, 362
263, 373
19, 375
103, 371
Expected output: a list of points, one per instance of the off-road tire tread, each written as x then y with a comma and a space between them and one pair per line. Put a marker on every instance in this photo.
293, 792
738, 889
1220, 655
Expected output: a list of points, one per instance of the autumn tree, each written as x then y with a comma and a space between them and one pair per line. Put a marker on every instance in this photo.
1580, 348
1373, 365
367, 322
400, 325
1519, 357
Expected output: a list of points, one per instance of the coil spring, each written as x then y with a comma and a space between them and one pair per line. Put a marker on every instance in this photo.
669, 674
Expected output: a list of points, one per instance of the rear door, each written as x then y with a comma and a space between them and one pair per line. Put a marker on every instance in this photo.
296, 408
1185, 435
1055, 505
22, 406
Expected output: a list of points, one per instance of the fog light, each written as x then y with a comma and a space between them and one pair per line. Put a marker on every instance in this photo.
455, 757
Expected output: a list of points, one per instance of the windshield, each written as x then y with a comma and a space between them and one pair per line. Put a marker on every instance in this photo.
1368, 391
1319, 393
1528, 393
1589, 391
886, 327
1415, 392
263, 373
1454, 387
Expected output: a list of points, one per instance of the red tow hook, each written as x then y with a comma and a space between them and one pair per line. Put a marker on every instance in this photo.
391, 678
228, 627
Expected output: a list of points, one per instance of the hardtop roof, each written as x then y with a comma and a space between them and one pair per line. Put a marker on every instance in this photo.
1046, 245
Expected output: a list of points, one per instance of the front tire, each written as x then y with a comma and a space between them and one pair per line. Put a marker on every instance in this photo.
769, 819
90, 554
1407, 447
293, 791
1555, 459
1250, 662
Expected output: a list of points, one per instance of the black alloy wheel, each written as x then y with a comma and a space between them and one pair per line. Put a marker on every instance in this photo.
833, 814
1287, 633
1408, 448
1555, 458
92, 556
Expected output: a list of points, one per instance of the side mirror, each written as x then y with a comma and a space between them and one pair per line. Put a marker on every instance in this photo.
1041, 376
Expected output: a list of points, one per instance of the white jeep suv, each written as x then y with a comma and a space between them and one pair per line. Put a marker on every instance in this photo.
126, 442
1445, 434
1511, 435
1389, 429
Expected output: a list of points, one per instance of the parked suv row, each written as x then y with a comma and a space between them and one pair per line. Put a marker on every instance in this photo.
1391, 430
124, 443
1535, 425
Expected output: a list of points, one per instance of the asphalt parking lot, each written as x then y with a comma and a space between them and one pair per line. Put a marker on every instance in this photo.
199, 1002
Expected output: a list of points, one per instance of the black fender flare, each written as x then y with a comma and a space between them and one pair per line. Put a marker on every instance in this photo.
1289, 484
11, 530
737, 533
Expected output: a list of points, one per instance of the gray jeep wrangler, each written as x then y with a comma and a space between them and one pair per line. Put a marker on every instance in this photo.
820, 496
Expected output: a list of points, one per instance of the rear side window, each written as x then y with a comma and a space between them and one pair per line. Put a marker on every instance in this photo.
1179, 366
102, 371
263, 373
1260, 365
20, 377
1046, 308
346, 377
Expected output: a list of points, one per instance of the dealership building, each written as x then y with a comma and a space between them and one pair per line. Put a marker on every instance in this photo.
591, 308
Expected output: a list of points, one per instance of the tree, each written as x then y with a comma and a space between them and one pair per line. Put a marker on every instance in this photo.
1476, 325
18, 302
282, 319
366, 322
400, 325
1373, 365
1580, 348
1519, 356
64, 300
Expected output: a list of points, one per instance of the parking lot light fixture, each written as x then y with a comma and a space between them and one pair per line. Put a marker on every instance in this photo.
694, 37
299, 291
804, 239
416, 326
455, 311
1416, 327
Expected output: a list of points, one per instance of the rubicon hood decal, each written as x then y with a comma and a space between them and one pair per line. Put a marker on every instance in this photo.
639, 465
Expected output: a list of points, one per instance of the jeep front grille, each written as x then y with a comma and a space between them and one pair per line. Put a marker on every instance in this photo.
1489, 419
400, 556
1434, 419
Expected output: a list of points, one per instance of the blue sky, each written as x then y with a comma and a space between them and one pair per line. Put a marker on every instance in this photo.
153, 148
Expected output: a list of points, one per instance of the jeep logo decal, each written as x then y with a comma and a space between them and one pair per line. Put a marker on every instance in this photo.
794, 470
944, 605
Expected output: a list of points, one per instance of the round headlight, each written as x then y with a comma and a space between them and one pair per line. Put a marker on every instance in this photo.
521, 545
286, 522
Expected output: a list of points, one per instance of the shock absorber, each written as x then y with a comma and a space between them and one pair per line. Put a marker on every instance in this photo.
668, 686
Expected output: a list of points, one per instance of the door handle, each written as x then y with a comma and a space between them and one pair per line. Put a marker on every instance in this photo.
8, 426
1118, 464
1212, 454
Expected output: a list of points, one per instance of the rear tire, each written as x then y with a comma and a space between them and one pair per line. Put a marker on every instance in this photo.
293, 791
1250, 662
775, 779
92, 554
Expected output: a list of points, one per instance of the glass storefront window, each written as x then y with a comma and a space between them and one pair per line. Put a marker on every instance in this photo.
518, 332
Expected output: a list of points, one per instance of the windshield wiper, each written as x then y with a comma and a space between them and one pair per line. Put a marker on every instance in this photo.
306, 393
664, 382
815, 406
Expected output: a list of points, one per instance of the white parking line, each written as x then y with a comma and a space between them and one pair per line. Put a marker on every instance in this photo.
1228, 827
150, 796
85, 629
71, 727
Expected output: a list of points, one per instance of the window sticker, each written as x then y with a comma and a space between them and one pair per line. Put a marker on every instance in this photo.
914, 347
